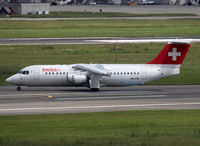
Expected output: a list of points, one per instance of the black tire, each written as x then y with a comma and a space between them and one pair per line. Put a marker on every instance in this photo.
19, 88
94, 89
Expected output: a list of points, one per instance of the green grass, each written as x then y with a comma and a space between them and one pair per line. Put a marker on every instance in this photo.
99, 28
14, 58
96, 15
162, 128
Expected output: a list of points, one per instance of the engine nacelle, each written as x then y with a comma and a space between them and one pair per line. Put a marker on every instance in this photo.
76, 79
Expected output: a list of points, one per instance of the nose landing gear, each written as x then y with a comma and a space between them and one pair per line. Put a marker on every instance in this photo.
19, 88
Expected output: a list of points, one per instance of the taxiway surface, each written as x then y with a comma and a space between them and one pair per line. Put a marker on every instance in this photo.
137, 9
36, 100
93, 40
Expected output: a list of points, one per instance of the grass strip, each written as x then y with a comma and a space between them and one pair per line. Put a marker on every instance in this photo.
95, 15
99, 28
14, 58
176, 127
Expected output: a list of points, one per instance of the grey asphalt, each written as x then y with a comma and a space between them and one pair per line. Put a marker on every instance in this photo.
37, 100
91, 40
105, 18
138, 9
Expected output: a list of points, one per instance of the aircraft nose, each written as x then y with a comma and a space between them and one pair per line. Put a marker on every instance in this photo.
13, 79
9, 80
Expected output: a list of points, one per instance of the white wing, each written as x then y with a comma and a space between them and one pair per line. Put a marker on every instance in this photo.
94, 69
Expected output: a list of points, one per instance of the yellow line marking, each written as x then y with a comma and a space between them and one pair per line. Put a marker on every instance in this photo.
46, 96
49, 96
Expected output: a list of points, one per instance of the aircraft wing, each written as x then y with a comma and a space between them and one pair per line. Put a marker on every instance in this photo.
94, 69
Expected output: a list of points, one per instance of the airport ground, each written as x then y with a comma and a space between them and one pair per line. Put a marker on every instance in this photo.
91, 15
83, 12
139, 126
179, 126
93, 40
76, 99
139, 9
121, 10
153, 115
99, 28
174, 127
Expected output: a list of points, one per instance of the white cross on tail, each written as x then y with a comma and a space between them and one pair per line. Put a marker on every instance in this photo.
174, 54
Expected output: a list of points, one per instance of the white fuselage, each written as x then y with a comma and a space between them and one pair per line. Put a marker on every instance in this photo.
67, 75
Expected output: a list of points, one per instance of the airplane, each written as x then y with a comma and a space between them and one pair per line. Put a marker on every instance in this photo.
94, 76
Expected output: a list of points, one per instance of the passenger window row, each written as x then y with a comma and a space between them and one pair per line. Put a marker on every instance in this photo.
55, 73
125, 73
114, 73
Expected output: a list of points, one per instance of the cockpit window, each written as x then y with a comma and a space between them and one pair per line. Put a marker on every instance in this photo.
26, 72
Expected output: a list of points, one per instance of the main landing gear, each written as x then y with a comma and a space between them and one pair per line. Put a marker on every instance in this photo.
94, 89
19, 88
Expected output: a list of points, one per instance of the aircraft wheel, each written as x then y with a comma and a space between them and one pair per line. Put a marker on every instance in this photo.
19, 88
94, 89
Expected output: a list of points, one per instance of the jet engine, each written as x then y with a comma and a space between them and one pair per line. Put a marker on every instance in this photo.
76, 79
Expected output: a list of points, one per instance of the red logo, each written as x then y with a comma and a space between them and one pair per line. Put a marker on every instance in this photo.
50, 69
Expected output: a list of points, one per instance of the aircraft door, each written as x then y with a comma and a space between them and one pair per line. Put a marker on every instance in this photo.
143, 73
36, 73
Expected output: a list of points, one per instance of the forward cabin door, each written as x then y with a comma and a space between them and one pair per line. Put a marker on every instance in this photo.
143, 72
36, 73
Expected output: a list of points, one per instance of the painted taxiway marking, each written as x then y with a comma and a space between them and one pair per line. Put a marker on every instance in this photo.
49, 96
95, 97
108, 97
144, 41
20, 95
94, 40
25, 95
96, 107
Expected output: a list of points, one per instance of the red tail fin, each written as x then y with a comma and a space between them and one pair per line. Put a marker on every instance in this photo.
173, 53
